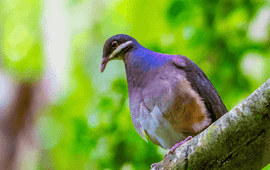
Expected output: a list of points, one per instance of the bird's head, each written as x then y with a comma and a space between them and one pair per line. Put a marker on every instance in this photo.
116, 48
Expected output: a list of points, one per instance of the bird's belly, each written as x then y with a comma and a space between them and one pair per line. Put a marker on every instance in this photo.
158, 129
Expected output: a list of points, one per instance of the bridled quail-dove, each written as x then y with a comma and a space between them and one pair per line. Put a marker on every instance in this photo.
170, 97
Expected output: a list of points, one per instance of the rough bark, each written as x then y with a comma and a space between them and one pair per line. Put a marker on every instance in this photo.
240, 139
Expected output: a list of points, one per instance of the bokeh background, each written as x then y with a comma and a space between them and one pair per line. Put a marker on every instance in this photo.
74, 117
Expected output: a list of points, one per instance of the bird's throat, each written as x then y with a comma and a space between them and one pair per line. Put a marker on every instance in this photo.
135, 76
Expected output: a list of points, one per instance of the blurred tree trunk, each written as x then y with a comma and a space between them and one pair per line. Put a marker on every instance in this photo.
19, 144
238, 140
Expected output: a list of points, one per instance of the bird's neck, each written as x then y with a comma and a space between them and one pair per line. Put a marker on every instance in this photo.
139, 62
135, 76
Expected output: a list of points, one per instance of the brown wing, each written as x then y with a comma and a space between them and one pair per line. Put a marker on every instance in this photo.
203, 86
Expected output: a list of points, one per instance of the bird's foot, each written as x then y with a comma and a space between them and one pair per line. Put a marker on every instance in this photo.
153, 165
177, 145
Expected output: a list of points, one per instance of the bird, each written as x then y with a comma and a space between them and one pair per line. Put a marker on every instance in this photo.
171, 99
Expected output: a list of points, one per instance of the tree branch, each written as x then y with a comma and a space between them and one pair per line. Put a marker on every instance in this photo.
240, 139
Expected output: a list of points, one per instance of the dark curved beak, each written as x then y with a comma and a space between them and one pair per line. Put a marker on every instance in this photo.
104, 63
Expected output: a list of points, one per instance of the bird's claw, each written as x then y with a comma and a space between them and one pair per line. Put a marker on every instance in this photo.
177, 145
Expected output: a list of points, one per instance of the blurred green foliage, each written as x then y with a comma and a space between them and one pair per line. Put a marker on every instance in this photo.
90, 126
21, 38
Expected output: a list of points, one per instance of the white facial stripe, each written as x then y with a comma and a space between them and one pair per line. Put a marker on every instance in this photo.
119, 48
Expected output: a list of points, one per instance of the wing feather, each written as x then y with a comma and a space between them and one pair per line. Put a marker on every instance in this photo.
203, 86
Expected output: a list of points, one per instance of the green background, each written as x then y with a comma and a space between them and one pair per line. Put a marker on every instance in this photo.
88, 125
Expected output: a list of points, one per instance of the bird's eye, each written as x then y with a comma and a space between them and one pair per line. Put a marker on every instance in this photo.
114, 45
